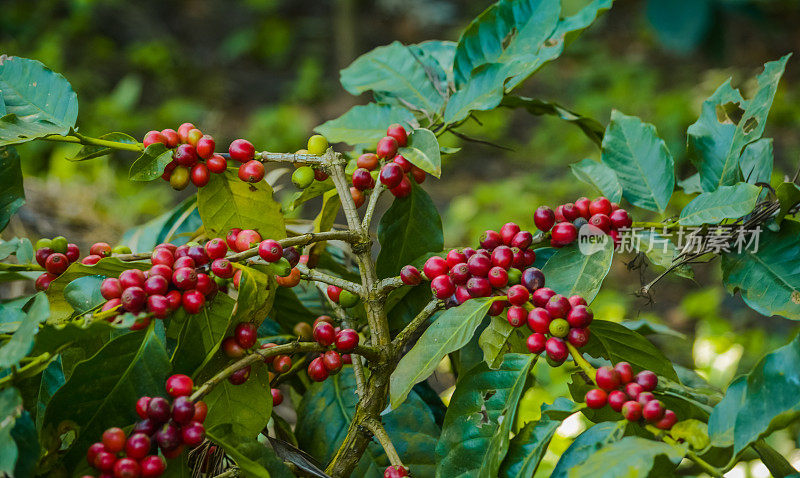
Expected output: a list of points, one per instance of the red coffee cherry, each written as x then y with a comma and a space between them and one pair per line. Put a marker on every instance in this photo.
563, 234
508, 231
104, 461
199, 175
73, 253
193, 434
517, 316
600, 205
368, 161
620, 219
101, 249
90, 260
647, 380
518, 295
532, 278
137, 446
596, 398
156, 285
461, 295
131, 278
56, 263
133, 299
391, 175
645, 397
570, 212
536, 343
395, 472
200, 411
277, 397
403, 163
317, 371
607, 378
397, 132
184, 278
324, 334
490, 239
539, 320
168, 437
410, 275
403, 189
183, 132
246, 334
632, 411
334, 293
114, 440
625, 372
247, 239
182, 410
540, 297
455, 256
179, 385
498, 277
222, 268
163, 256
231, 237
171, 136
216, 248
443, 287
522, 239
185, 155
387, 147
362, 179
502, 256
667, 421
141, 406
42, 254
577, 300
459, 273
158, 410
558, 306
240, 376
252, 171
479, 287
479, 265
242, 150
148, 426
93, 451
580, 316
601, 221
332, 361
357, 196
270, 250
193, 301
616, 399
435, 267
205, 146
282, 363
152, 466
44, 280
346, 340
582, 206
153, 137
174, 298
633, 390
232, 348
544, 218
556, 350
578, 337
418, 175
158, 305
111, 288
497, 307
217, 164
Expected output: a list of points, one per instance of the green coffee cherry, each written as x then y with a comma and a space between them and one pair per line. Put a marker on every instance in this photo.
303, 177
59, 244
559, 328
281, 268
43, 242
347, 299
121, 250
514, 276
317, 145
180, 178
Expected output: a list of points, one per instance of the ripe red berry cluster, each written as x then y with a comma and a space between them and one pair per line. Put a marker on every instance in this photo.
396, 172
395, 472
173, 281
344, 298
331, 361
165, 426
630, 395
567, 219
284, 260
55, 255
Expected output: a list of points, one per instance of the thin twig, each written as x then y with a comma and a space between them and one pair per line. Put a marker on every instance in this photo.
389, 284
315, 275
380, 434
373, 201
479, 141
404, 335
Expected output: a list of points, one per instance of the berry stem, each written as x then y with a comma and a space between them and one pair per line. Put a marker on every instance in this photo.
268, 157
21, 267
581, 362
380, 434
405, 335
315, 275
373, 201
260, 354
87, 140
389, 284
706, 466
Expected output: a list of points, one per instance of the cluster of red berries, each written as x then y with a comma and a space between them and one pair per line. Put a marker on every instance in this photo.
173, 281
565, 222
331, 361
395, 472
55, 255
396, 172
164, 426
194, 159
630, 395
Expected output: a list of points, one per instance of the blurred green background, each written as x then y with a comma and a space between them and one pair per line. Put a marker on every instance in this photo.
267, 70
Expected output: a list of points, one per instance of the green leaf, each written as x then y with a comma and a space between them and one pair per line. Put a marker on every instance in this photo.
766, 399
27, 442
788, 196
570, 272
317, 188
52, 380
499, 338
410, 228
630, 457
365, 124
21, 343
587, 443
60, 309
83, 294
246, 408
727, 124
10, 411
437, 58
423, 151
448, 333
769, 279
483, 92
102, 391
202, 333
661, 251
91, 152
481, 414
727, 202
76, 332
691, 185
393, 70
327, 409
255, 459
692, 431
37, 101
150, 165
12, 194
640, 158
227, 202
596, 174
528, 447
756, 161
617, 343
173, 226
592, 128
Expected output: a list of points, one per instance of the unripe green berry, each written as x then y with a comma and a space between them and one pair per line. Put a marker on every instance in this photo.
347, 299
180, 178
281, 267
303, 177
559, 328
44, 242
121, 249
317, 145
514, 276
59, 244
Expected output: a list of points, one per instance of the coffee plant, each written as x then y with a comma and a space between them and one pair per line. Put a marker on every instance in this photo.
226, 338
